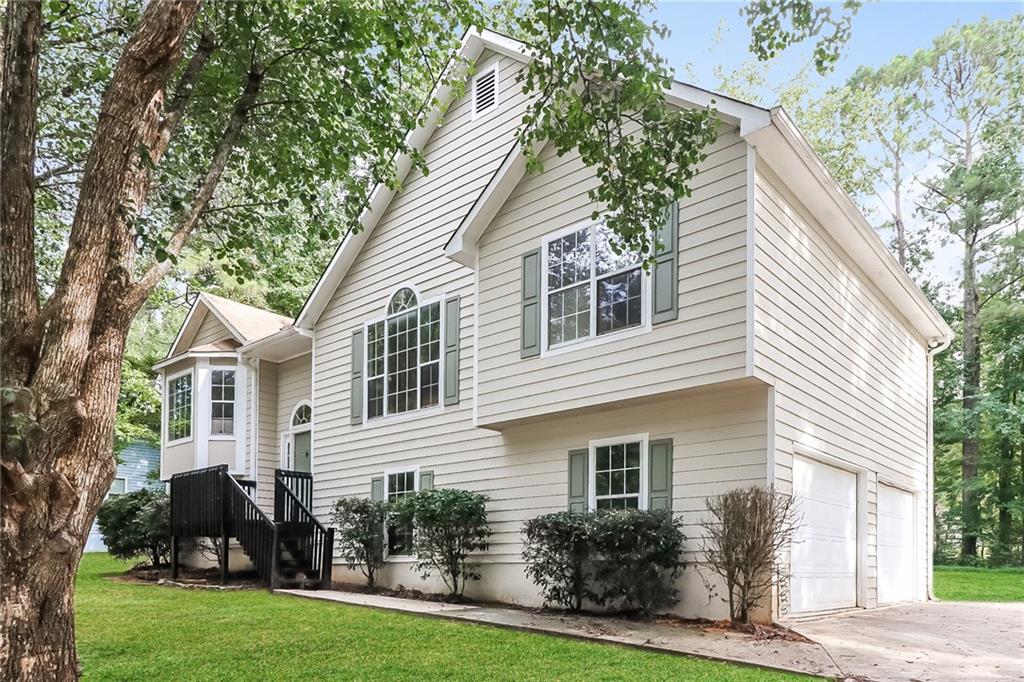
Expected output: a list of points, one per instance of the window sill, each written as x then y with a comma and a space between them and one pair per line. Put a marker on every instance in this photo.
222, 437
596, 341
400, 559
180, 441
404, 417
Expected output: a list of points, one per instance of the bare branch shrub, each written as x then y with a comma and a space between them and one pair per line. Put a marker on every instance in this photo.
745, 532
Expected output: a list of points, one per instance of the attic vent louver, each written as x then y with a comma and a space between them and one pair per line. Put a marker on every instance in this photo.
485, 91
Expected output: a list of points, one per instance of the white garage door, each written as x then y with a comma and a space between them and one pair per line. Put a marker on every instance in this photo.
824, 553
895, 544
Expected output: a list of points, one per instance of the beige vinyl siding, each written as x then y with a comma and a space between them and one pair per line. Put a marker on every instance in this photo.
850, 378
707, 343
211, 329
293, 386
406, 247
268, 445
719, 436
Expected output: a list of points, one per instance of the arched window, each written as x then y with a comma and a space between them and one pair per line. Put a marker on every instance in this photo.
404, 299
303, 415
403, 356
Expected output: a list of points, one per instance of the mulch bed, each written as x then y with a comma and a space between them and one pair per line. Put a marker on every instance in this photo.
758, 631
208, 578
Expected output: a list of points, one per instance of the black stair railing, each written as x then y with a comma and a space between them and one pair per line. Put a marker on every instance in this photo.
309, 539
209, 502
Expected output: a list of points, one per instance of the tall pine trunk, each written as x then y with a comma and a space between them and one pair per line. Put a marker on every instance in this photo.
971, 393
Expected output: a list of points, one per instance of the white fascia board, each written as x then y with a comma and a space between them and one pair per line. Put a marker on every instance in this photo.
748, 117
195, 354
785, 150
185, 325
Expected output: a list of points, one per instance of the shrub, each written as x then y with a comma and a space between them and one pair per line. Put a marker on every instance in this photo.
745, 531
360, 537
557, 552
449, 524
639, 555
137, 524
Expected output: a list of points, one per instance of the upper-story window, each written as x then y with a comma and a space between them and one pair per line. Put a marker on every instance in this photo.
593, 285
403, 356
179, 407
222, 402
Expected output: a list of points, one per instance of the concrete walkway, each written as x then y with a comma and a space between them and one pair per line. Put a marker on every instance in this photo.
927, 642
709, 643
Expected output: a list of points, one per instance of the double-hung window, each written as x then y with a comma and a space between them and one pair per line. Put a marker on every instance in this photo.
403, 357
594, 286
400, 537
222, 402
179, 407
618, 467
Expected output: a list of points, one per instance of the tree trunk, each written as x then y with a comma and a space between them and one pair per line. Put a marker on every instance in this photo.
1002, 551
57, 461
971, 391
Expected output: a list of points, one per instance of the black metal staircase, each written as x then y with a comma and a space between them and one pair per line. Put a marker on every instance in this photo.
294, 549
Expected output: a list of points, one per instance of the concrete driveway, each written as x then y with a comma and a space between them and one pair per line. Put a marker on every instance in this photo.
927, 642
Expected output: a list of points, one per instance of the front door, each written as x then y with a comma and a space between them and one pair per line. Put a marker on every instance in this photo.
302, 448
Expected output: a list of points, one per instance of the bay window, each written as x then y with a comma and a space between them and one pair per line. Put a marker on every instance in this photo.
179, 407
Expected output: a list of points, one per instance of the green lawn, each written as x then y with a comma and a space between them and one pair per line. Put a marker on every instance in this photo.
134, 632
959, 583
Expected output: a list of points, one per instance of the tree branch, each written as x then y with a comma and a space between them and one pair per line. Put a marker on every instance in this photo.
179, 237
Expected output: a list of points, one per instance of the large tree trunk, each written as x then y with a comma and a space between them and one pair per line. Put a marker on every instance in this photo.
57, 454
971, 391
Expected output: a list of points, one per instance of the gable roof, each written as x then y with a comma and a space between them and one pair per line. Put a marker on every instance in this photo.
770, 131
246, 323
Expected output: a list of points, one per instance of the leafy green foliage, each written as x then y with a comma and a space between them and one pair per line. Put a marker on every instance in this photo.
625, 559
360, 536
137, 524
778, 24
639, 556
599, 89
449, 525
557, 551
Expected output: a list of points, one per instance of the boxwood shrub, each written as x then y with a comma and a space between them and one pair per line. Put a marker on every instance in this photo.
625, 560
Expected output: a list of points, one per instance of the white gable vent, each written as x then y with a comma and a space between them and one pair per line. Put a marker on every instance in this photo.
485, 91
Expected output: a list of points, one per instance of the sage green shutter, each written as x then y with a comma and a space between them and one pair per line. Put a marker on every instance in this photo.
452, 315
665, 282
578, 477
426, 480
529, 323
660, 490
377, 488
357, 376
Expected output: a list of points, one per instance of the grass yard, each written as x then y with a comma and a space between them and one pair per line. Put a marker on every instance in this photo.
960, 583
133, 632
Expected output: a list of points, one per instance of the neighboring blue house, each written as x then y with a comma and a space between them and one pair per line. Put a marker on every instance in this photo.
137, 461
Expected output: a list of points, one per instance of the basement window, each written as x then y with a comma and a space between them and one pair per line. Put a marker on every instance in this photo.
485, 91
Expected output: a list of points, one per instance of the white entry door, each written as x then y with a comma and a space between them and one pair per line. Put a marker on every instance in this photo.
896, 568
824, 552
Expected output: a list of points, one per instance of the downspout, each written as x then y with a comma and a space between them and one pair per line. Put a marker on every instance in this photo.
935, 346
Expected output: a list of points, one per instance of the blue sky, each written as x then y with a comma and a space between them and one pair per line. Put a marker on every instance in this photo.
881, 30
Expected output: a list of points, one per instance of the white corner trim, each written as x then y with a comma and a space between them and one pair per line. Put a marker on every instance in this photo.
751, 299
770, 436
201, 410
241, 400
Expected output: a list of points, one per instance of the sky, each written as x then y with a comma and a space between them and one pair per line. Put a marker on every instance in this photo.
706, 35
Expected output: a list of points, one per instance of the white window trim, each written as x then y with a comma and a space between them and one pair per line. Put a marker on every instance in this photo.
419, 412
644, 439
234, 418
415, 469
593, 339
167, 409
119, 478
497, 93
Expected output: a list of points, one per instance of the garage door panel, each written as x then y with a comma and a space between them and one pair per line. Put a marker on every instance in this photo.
824, 550
896, 566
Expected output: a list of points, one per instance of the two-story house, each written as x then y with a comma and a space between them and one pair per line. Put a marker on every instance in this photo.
479, 332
